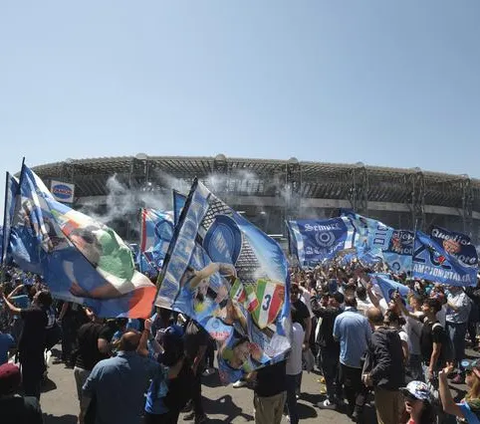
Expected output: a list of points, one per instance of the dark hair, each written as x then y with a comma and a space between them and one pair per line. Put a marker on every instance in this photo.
392, 316
339, 297
121, 322
433, 303
428, 415
361, 292
45, 298
351, 301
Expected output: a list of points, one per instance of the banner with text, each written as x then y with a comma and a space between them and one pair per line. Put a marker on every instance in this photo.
432, 262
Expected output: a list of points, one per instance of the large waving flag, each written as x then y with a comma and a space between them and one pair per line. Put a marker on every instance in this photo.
370, 234
456, 244
156, 233
81, 260
11, 192
230, 277
314, 241
375, 239
432, 262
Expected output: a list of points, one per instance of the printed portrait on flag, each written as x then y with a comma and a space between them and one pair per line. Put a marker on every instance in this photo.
81, 260
231, 278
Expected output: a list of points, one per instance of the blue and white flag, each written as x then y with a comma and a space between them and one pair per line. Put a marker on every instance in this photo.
389, 287
12, 190
156, 233
81, 260
232, 278
394, 247
398, 255
456, 244
432, 262
370, 234
314, 241
178, 204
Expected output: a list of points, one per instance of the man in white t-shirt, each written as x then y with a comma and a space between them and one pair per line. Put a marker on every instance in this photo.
294, 370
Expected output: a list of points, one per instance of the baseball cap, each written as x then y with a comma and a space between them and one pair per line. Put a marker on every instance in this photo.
419, 390
10, 378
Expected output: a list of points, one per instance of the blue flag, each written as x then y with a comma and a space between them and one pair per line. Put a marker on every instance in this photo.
12, 190
156, 233
229, 276
178, 204
432, 262
370, 234
314, 241
389, 287
374, 238
456, 244
81, 260
398, 255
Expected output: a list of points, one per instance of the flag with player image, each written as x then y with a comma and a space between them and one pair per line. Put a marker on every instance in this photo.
232, 278
80, 259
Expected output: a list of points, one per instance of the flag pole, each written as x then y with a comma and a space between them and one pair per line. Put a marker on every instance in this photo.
6, 238
4, 244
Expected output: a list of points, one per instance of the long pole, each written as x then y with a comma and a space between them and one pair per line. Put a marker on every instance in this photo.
4, 241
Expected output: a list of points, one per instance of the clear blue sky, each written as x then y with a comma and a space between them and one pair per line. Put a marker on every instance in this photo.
393, 83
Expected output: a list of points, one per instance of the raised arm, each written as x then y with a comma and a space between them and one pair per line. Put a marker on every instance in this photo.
449, 405
142, 348
11, 306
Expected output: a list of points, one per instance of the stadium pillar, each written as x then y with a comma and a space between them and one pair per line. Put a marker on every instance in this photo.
359, 189
467, 205
220, 170
293, 189
417, 185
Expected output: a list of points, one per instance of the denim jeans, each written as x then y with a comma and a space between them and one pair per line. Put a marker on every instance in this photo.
457, 332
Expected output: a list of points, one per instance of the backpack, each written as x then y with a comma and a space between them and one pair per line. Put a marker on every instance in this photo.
448, 351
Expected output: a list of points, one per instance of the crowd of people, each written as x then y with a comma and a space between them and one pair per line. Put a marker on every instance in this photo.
396, 354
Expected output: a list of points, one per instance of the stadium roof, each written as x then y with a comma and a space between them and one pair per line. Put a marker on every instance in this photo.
318, 180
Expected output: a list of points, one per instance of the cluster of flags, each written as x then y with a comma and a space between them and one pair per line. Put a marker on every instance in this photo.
214, 266
443, 256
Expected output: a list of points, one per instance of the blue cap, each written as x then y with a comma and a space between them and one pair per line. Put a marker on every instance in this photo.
172, 342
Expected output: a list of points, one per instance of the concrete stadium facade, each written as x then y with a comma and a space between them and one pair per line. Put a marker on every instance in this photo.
269, 191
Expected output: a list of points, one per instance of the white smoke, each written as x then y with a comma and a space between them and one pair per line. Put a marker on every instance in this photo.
124, 203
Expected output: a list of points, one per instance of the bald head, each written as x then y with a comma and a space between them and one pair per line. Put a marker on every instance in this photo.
375, 316
130, 340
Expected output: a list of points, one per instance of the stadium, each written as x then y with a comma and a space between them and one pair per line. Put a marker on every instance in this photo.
269, 191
